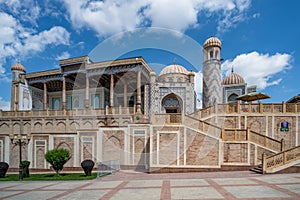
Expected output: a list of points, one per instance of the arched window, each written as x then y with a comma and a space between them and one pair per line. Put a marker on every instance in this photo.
171, 104
216, 54
232, 98
211, 55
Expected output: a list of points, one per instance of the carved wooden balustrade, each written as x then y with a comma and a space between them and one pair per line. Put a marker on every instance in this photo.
167, 119
251, 136
73, 112
281, 160
241, 108
203, 126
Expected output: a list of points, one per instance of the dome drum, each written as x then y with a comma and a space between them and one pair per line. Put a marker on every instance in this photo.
233, 79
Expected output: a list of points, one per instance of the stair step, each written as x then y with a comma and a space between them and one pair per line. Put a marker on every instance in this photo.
256, 170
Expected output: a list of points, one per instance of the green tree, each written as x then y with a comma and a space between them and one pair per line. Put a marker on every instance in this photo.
57, 158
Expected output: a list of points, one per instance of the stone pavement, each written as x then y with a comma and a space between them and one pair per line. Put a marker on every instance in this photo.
135, 185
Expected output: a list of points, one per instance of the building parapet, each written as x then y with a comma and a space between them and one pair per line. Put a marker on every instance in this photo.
117, 111
237, 108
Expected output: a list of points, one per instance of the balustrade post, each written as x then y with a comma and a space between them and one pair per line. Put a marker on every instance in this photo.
282, 145
248, 134
284, 158
235, 135
260, 107
223, 134
264, 163
283, 107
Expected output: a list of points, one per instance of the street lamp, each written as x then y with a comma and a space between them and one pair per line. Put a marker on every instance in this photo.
20, 140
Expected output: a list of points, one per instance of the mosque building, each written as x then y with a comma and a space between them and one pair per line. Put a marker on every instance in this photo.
122, 110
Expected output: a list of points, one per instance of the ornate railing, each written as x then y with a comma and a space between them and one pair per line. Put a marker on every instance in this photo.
169, 119
203, 126
281, 160
73, 112
247, 108
251, 136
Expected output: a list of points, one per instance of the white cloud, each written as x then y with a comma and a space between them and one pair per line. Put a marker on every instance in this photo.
28, 10
4, 105
17, 41
63, 55
259, 69
56, 35
110, 17
105, 17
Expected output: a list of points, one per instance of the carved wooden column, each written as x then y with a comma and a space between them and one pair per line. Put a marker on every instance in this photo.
138, 92
45, 96
87, 92
111, 100
64, 102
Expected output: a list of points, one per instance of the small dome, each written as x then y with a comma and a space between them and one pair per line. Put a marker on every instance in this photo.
19, 67
174, 69
233, 79
212, 42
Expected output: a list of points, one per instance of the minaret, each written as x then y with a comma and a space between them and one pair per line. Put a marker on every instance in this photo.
17, 70
212, 90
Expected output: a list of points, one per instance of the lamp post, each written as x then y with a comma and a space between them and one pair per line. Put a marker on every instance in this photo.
20, 140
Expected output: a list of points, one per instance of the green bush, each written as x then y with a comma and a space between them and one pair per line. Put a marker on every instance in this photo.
3, 169
58, 158
25, 168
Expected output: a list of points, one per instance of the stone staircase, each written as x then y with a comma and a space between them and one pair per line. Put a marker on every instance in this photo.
257, 169
279, 161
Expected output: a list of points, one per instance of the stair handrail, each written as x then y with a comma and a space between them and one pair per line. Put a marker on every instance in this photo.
280, 159
203, 126
267, 141
248, 134
233, 134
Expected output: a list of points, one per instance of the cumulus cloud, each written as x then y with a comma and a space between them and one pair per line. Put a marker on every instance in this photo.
17, 41
110, 17
259, 69
63, 55
4, 105
28, 10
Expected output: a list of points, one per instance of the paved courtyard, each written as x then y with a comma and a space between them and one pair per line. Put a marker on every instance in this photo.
134, 185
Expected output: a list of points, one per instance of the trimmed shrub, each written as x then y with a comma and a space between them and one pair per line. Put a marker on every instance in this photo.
3, 169
25, 168
58, 158
87, 166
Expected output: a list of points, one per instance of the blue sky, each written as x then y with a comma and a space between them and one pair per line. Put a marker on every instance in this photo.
260, 38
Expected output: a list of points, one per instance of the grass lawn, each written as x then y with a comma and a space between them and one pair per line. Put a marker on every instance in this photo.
52, 177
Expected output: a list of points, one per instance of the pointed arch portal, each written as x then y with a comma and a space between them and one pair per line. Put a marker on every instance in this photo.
172, 104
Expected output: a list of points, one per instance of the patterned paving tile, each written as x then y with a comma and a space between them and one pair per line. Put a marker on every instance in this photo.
36, 195
195, 193
292, 187
144, 183
66, 185
104, 184
188, 182
233, 181
84, 194
255, 192
144, 194
273, 179
8, 193
30, 185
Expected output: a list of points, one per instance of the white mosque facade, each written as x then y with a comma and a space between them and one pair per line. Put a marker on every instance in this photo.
122, 110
